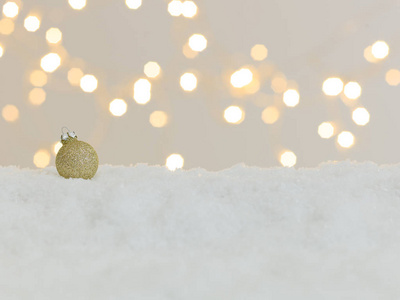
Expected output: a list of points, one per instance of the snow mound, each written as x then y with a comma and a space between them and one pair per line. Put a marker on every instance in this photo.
244, 233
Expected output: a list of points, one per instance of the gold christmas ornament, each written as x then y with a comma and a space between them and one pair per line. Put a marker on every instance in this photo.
76, 159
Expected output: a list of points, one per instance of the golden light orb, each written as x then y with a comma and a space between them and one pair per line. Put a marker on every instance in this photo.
361, 116
142, 91
10, 113
88, 83
188, 52
56, 147
352, 90
41, 159
291, 98
270, 115
53, 35
189, 9
332, 86
174, 162
279, 84
10, 9
152, 69
288, 159
118, 107
188, 82
326, 130
38, 78
37, 96
241, 78
345, 139
158, 119
50, 62
259, 52
77, 4
380, 49
234, 115
133, 4
74, 76
6, 26
369, 56
392, 77
31, 23
175, 8
197, 42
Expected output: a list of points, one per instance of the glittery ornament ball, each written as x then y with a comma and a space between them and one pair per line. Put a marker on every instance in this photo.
76, 159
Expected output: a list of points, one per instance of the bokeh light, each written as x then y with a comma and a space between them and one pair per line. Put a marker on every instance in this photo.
31, 23
158, 119
77, 4
291, 98
392, 77
37, 96
152, 69
197, 42
1, 50
188, 82
50, 62
259, 52
189, 9
41, 159
142, 91
234, 115
10, 113
369, 56
345, 139
118, 107
133, 4
174, 162
10, 9
270, 115
175, 8
188, 52
326, 130
332, 86
279, 84
352, 90
88, 83
56, 147
380, 49
6, 26
38, 78
241, 78
74, 76
288, 159
53, 35
361, 116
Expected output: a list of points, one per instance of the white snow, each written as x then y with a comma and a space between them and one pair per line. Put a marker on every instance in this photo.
244, 233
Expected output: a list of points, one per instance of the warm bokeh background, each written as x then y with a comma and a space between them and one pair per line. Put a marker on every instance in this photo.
307, 41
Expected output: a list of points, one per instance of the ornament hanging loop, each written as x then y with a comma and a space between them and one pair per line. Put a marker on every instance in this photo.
66, 135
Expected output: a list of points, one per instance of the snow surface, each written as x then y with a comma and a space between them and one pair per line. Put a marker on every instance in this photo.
244, 233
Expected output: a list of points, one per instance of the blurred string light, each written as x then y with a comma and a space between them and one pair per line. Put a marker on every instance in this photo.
133, 4
158, 119
175, 8
345, 139
270, 115
77, 4
174, 162
332, 86
74, 76
197, 42
142, 91
288, 159
352, 90
50, 62
88, 83
380, 50
291, 98
188, 82
361, 116
31, 23
234, 115
6, 26
38, 78
241, 78
188, 52
118, 107
392, 77
189, 9
10, 113
369, 56
56, 147
326, 130
152, 69
53, 35
259, 52
37, 96
10, 9
279, 83
41, 159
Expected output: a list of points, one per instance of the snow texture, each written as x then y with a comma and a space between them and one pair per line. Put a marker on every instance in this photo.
244, 233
